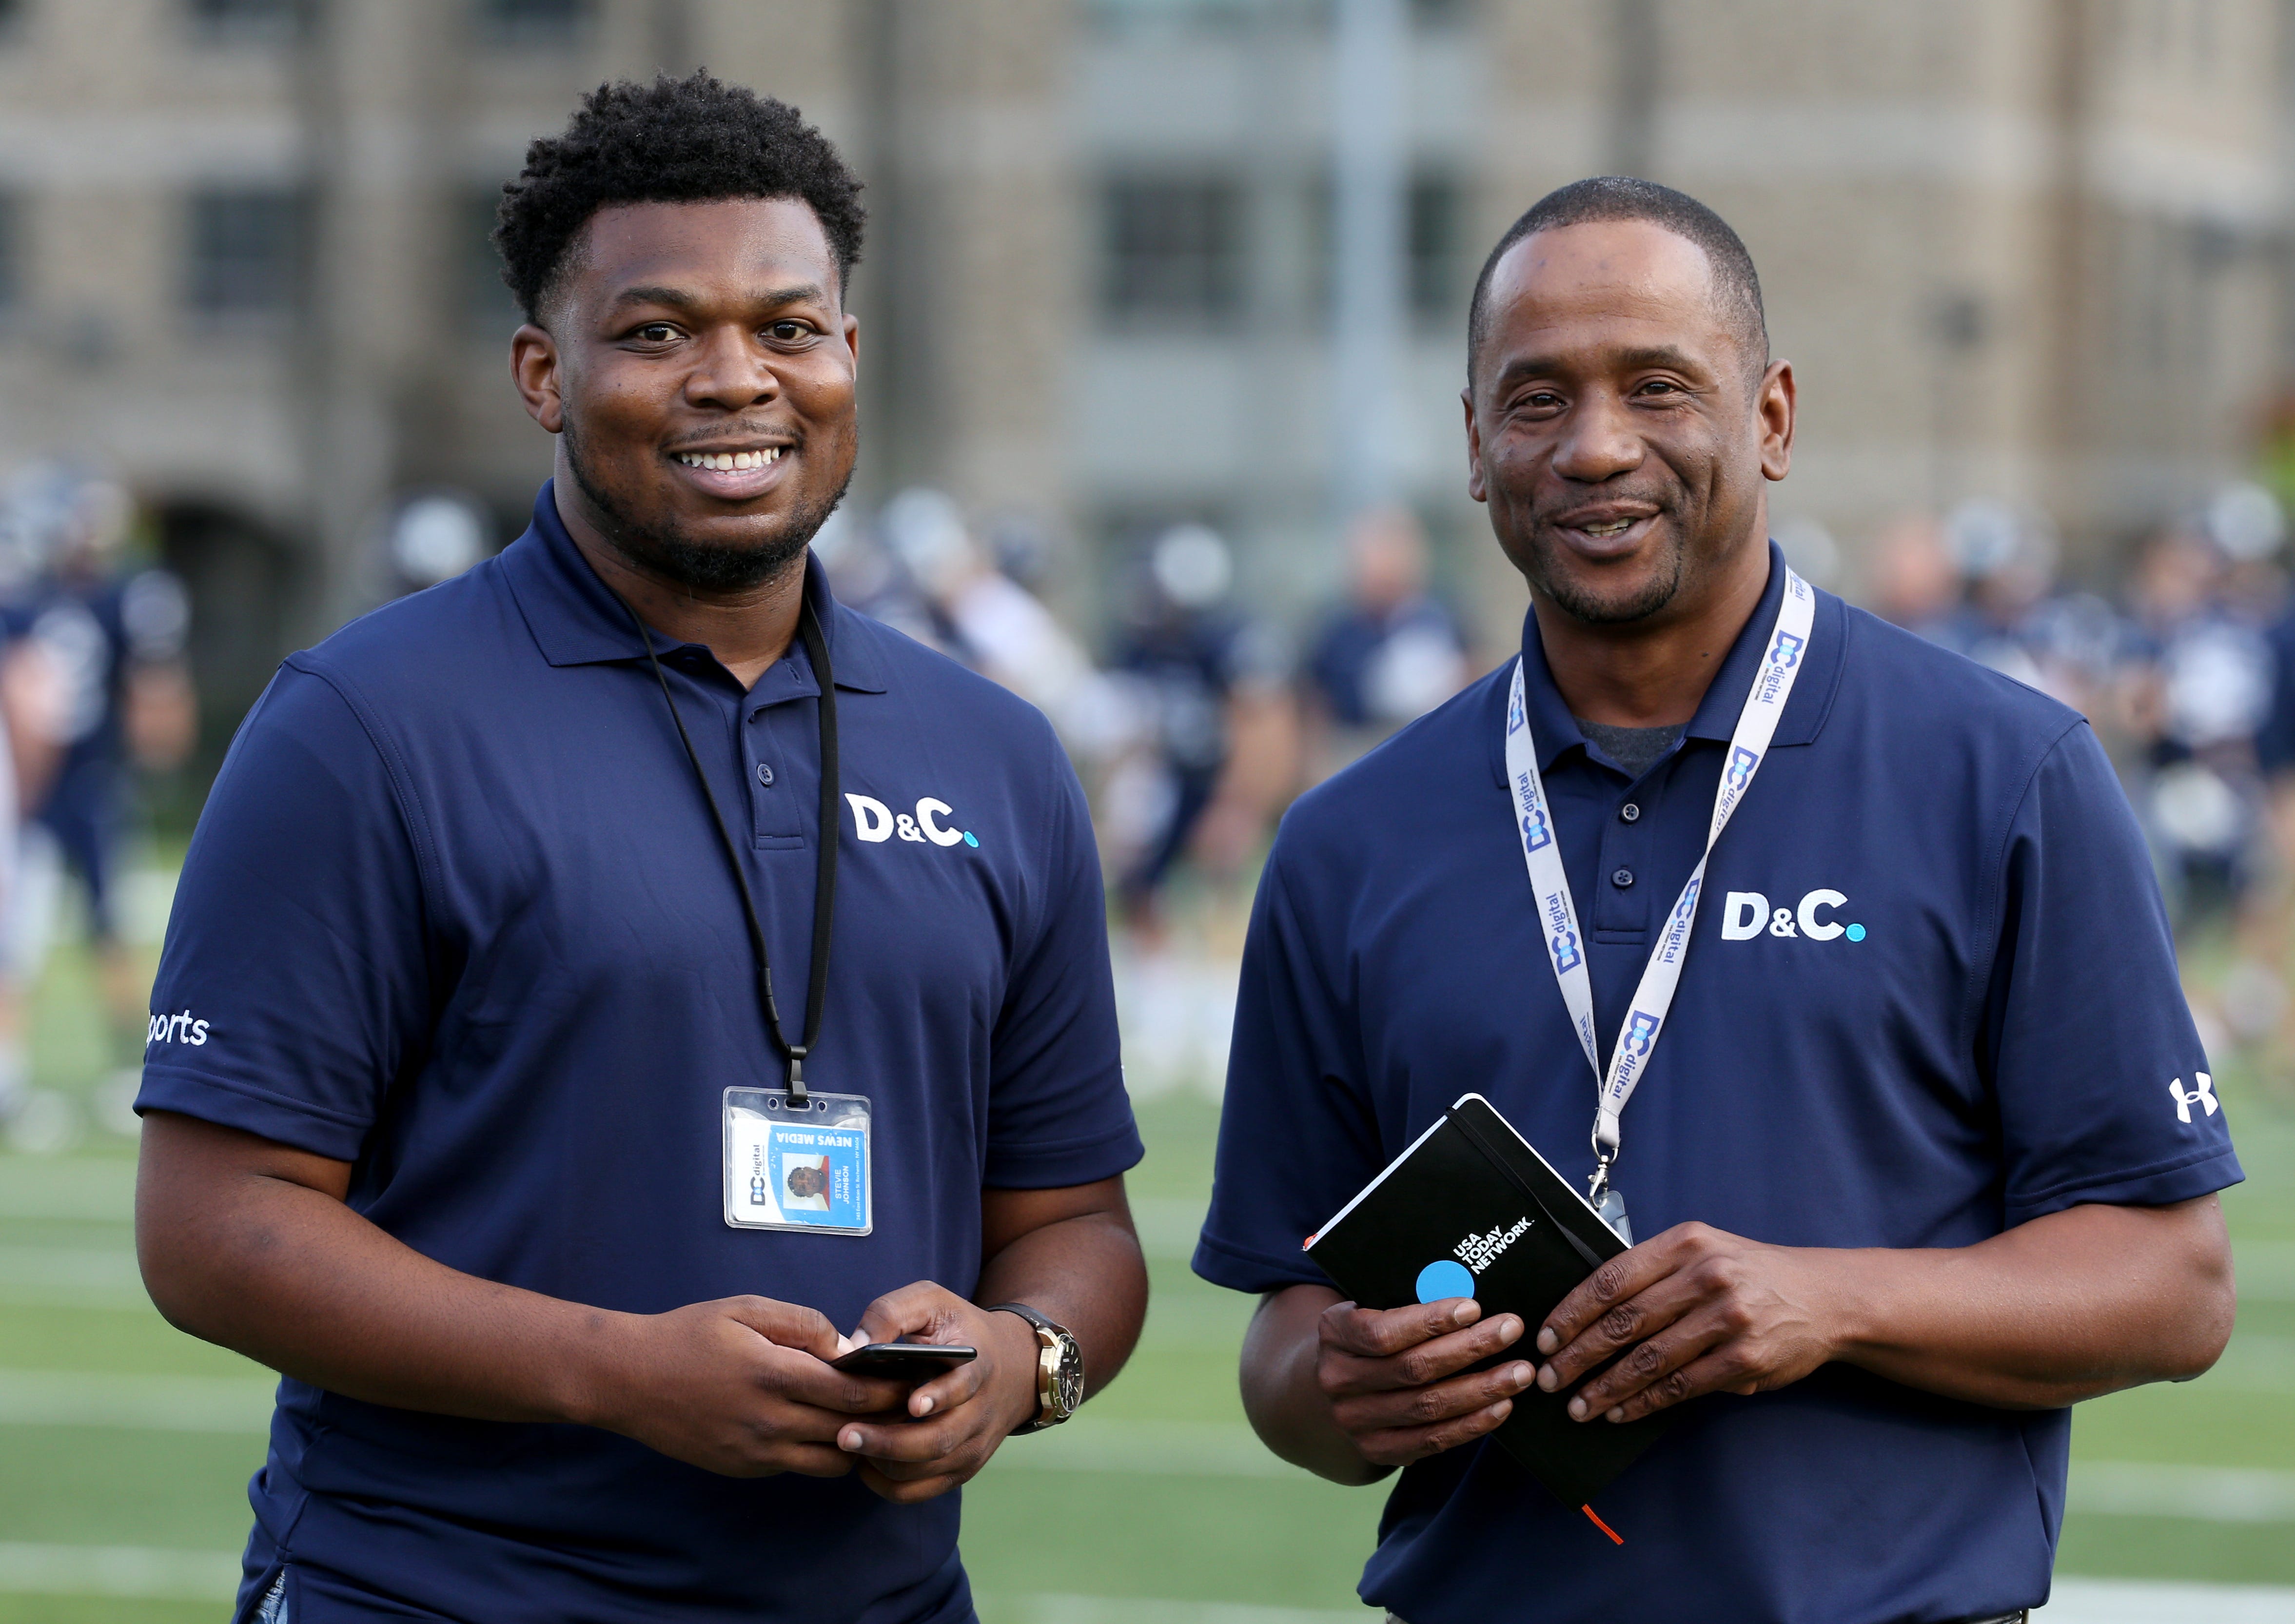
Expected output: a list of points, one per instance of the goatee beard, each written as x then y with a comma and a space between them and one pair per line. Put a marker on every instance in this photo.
700, 566
1581, 605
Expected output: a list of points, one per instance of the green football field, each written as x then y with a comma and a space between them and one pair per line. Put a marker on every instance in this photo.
125, 1446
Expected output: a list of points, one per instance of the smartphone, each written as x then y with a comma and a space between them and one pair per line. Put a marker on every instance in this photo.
904, 1361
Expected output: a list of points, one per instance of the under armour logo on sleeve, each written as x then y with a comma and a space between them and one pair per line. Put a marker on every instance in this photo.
2202, 1096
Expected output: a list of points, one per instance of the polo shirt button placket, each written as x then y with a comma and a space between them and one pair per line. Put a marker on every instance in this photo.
1621, 878
1628, 812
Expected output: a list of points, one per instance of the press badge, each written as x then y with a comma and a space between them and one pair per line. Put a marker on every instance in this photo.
797, 1164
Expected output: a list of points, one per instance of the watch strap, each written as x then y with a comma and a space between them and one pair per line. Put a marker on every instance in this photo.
1040, 1321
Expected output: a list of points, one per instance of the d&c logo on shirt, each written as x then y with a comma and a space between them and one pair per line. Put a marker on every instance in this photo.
181, 1028
874, 821
1747, 914
2203, 1096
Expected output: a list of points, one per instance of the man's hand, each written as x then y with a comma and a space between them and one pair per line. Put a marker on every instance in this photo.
956, 1420
1694, 1310
2083, 1301
249, 1243
1391, 1377
741, 1386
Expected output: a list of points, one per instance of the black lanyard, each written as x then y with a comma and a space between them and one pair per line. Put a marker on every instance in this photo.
824, 889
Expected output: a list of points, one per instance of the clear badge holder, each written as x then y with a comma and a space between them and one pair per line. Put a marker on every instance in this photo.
798, 1163
1614, 1213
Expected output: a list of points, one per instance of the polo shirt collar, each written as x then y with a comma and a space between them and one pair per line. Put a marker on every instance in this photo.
577, 621
1555, 729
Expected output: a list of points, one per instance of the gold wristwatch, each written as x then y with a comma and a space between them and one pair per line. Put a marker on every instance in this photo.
1059, 1368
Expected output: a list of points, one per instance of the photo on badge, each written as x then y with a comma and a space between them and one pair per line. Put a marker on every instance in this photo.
804, 1183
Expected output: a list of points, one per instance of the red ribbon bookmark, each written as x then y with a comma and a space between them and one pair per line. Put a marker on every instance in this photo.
1604, 1527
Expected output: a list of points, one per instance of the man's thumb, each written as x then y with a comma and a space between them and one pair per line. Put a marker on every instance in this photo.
787, 1325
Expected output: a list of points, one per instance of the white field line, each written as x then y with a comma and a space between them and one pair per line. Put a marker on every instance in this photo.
1150, 1448
2256, 1363
149, 1573
2074, 1601
72, 1277
2203, 1494
1215, 1450
68, 1187
141, 1572
1142, 1610
2129, 1600
241, 1404
1168, 1224
143, 1403
2265, 1269
99, 1190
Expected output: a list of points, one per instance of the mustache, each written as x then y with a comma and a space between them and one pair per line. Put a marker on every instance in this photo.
1553, 512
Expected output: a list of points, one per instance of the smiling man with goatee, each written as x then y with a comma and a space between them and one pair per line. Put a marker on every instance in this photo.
1830, 963
580, 1082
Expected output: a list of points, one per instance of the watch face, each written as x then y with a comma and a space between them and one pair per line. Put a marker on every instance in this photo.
1069, 1380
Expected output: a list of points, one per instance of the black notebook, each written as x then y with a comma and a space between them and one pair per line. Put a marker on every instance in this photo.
1473, 1211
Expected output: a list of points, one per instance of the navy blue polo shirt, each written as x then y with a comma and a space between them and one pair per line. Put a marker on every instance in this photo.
1931, 995
455, 914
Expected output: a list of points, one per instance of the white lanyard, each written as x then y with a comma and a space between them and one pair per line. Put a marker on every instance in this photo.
1757, 722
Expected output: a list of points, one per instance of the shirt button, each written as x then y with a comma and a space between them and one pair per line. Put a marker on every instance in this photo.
1630, 811
765, 775
1623, 879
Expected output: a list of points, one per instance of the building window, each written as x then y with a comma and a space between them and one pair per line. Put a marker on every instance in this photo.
1132, 14
1442, 14
1173, 250
1437, 274
247, 251
1439, 279
245, 22
11, 252
532, 22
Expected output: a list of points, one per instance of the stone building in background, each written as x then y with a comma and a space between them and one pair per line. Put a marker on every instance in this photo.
2023, 249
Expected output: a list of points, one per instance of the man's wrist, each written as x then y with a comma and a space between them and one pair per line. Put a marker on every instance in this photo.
1019, 1353
590, 1381
1851, 1321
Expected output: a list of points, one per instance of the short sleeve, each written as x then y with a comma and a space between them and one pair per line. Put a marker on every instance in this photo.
2103, 1086
1294, 1081
293, 986
1057, 1113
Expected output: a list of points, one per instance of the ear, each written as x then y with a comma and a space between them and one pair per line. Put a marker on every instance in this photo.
1474, 487
534, 369
1775, 405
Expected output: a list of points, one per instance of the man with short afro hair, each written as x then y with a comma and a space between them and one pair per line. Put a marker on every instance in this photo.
630, 983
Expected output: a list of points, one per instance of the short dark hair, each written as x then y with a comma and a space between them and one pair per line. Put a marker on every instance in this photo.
1620, 197
693, 140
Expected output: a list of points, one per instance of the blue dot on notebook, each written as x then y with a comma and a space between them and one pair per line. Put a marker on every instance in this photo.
1444, 1278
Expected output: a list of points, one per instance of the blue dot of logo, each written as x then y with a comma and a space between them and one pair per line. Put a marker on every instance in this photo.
1444, 1278
971, 840
1856, 932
